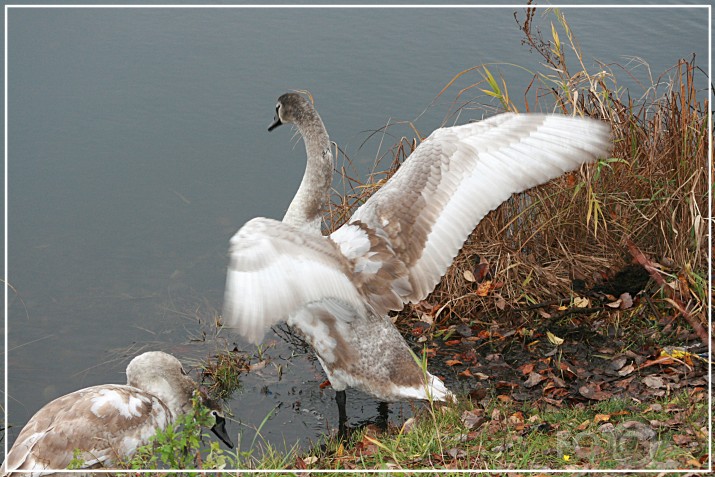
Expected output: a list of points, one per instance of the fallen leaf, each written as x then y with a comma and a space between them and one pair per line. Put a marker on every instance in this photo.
257, 366
614, 304
466, 374
484, 288
500, 302
456, 453
694, 463
516, 418
601, 418
477, 394
452, 362
626, 370
310, 460
526, 368
533, 379
581, 302
473, 419
618, 363
567, 371
583, 425
654, 382
452, 342
481, 270
481, 376
593, 391
469, 276
543, 314
682, 439
555, 340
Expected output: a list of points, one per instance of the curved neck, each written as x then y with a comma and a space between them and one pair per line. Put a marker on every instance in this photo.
307, 207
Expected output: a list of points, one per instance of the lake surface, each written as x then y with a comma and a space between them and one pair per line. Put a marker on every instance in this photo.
137, 146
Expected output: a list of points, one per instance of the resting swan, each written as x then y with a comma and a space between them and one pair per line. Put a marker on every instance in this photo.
336, 291
107, 422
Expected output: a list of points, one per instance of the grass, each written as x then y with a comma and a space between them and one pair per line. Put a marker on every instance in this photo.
520, 436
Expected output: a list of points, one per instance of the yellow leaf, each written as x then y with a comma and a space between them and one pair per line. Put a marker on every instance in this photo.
555, 340
601, 418
581, 302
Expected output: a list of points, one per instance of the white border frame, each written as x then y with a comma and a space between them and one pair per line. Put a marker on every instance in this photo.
709, 220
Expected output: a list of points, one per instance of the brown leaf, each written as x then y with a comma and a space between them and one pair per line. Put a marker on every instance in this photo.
682, 439
469, 276
593, 391
626, 370
473, 419
526, 368
567, 371
477, 394
533, 379
481, 270
453, 362
456, 453
516, 419
452, 342
618, 363
484, 288
466, 374
654, 382
583, 425
601, 418
581, 302
500, 302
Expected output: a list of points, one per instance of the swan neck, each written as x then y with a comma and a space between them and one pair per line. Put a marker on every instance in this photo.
306, 209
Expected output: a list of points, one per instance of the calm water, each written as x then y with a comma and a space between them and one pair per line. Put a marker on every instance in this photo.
137, 146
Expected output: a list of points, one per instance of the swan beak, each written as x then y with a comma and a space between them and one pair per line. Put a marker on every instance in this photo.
276, 122
220, 430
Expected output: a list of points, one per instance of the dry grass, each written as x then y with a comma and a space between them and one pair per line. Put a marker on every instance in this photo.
653, 190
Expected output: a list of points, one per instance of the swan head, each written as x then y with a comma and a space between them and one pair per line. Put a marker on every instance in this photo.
292, 108
217, 419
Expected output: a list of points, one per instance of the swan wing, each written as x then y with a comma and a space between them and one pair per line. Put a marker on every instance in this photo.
275, 270
426, 211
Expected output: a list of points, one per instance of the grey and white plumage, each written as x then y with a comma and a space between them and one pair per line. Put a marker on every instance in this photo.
337, 290
106, 422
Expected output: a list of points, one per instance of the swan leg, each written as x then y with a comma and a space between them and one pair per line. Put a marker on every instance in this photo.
341, 398
382, 416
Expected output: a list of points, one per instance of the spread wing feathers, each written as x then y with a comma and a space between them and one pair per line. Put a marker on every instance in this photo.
276, 269
426, 211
